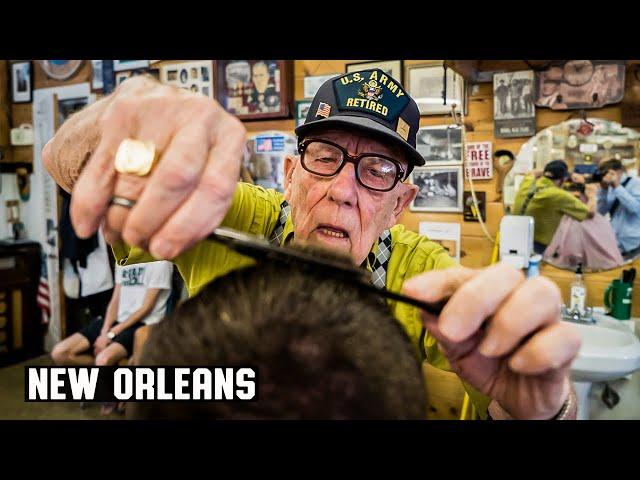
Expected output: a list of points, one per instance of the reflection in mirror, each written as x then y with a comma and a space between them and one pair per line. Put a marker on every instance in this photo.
579, 181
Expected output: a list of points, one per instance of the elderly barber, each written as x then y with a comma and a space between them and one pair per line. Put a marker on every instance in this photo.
345, 190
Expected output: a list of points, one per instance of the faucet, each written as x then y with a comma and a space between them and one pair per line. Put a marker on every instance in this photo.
577, 317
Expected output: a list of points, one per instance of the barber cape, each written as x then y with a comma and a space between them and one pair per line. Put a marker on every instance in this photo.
398, 255
591, 242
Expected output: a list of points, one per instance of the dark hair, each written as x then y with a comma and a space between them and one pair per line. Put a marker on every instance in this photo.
610, 164
324, 349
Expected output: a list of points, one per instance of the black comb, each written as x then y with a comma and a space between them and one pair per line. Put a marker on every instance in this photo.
261, 249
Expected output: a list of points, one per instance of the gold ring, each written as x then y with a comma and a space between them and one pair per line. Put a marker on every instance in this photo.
135, 157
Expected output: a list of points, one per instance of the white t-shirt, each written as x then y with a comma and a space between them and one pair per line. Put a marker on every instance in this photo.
134, 282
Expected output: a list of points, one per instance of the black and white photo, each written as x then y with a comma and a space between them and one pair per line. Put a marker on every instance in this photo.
21, 84
302, 108
440, 144
514, 110
439, 189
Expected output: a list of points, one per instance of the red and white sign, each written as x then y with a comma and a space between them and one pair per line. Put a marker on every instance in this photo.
479, 164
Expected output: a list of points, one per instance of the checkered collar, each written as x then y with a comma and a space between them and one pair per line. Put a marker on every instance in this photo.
377, 262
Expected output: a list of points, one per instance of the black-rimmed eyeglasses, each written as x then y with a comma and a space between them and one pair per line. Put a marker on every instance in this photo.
326, 159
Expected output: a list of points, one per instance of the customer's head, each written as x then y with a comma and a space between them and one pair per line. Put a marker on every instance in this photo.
557, 171
324, 349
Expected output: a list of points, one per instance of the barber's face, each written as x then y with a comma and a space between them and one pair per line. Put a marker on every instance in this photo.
337, 212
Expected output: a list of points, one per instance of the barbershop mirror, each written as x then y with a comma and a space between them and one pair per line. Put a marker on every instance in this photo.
264, 158
584, 145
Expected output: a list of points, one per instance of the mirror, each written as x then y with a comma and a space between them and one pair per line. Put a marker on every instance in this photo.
594, 151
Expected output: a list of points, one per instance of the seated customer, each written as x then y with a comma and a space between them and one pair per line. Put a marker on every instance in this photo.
324, 349
620, 198
541, 197
590, 242
139, 298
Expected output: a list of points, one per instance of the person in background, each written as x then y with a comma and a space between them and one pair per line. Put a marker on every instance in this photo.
139, 298
541, 197
620, 198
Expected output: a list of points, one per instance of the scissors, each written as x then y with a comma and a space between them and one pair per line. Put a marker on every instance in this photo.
260, 249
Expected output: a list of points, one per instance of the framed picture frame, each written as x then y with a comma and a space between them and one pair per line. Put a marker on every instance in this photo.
119, 65
313, 83
197, 76
302, 108
97, 80
440, 144
427, 84
255, 89
440, 189
122, 76
390, 67
21, 82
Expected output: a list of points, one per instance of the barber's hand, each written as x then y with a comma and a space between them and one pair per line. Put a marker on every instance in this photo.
522, 358
577, 178
190, 189
101, 343
609, 179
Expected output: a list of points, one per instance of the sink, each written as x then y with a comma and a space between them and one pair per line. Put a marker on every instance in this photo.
609, 351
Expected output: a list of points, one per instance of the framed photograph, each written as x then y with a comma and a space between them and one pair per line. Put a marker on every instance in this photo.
312, 84
514, 110
196, 76
119, 65
390, 67
445, 233
440, 189
302, 108
21, 82
435, 88
255, 89
440, 144
97, 82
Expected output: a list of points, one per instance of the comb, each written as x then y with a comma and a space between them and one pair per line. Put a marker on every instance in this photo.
260, 249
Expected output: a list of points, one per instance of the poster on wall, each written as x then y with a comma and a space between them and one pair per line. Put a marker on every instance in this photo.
194, 76
479, 163
470, 211
445, 233
514, 110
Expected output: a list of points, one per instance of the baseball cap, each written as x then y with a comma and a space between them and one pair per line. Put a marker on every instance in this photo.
370, 101
556, 170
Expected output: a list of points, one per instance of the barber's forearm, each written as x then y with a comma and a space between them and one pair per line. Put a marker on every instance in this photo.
66, 154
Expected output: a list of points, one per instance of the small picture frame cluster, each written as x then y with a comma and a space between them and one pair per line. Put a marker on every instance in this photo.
197, 76
21, 82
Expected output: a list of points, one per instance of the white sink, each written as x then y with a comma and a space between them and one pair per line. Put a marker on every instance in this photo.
609, 351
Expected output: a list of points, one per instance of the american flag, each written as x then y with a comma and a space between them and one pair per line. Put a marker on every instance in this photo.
323, 110
43, 292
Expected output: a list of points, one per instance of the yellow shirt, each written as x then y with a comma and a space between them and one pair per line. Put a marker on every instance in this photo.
255, 210
547, 206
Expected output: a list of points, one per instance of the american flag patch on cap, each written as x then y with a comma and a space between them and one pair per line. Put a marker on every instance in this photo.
323, 110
